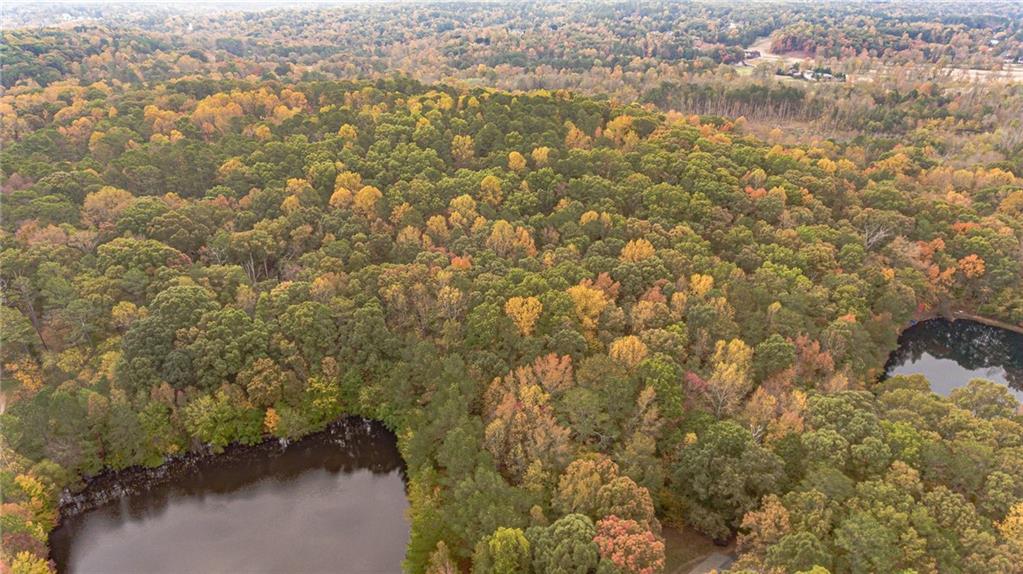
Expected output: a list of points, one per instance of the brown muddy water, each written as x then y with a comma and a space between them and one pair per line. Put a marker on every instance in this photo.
332, 502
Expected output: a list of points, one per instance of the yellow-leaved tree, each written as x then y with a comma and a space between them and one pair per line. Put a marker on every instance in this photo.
524, 312
637, 250
516, 162
365, 201
490, 190
540, 155
462, 150
730, 380
588, 303
628, 351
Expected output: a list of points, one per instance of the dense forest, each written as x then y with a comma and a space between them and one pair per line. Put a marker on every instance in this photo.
907, 86
586, 318
499, 42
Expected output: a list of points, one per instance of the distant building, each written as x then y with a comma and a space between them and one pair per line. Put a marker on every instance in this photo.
751, 54
812, 75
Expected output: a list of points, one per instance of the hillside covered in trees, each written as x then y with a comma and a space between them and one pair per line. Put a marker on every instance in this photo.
585, 318
916, 74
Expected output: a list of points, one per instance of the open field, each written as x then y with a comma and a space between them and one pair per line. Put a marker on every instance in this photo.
1010, 72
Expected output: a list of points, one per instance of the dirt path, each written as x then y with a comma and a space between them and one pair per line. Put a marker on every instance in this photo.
689, 552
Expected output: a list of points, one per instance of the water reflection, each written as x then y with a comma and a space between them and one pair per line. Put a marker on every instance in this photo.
950, 353
332, 502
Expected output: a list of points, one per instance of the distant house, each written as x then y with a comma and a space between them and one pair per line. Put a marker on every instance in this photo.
751, 54
814, 75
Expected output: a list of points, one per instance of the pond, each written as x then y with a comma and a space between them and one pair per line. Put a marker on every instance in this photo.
334, 501
950, 353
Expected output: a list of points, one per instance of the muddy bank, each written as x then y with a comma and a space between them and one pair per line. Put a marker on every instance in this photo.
110, 485
333, 497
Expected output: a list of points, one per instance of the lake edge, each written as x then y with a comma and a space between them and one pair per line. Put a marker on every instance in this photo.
109, 485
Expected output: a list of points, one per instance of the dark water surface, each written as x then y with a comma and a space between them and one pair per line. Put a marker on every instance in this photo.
950, 353
333, 502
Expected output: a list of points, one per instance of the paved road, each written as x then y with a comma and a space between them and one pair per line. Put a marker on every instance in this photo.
712, 563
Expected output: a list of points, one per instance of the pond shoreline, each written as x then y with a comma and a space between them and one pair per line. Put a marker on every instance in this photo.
335, 496
952, 348
957, 315
109, 485
960, 315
